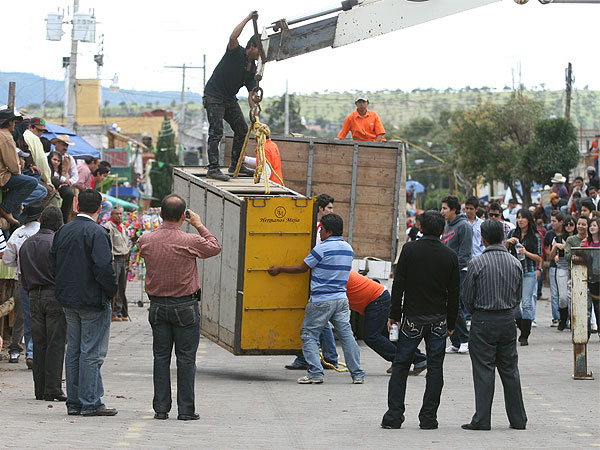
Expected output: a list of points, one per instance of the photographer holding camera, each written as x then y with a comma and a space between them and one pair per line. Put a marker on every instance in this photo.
172, 284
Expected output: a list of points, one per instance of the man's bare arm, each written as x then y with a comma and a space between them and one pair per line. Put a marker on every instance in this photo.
235, 34
300, 268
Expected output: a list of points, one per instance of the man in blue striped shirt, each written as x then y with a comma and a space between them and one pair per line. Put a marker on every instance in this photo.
330, 261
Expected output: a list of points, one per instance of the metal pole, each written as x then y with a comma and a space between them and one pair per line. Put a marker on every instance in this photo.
579, 315
72, 109
11, 94
204, 118
286, 114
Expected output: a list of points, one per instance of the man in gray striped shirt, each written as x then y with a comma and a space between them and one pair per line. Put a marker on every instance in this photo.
491, 290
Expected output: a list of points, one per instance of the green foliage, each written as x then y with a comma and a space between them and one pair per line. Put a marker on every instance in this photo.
433, 199
552, 149
275, 117
161, 174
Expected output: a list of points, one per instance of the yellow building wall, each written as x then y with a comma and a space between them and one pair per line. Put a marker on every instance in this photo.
89, 101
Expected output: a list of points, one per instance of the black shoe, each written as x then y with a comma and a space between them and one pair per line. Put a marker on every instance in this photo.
429, 427
194, 416
57, 397
470, 426
516, 428
244, 171
216, 174
295, 367
13, 357
524, 342
161, 416
29, 362
389, 426
102, 412
73, 412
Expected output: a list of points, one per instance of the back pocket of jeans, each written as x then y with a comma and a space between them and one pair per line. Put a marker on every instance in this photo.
186, 315
440, 329
410, 330
152, 314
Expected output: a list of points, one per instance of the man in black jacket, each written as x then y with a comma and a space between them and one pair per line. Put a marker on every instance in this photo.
85, 285
425, 299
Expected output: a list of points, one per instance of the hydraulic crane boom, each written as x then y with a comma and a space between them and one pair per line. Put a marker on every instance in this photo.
360, 20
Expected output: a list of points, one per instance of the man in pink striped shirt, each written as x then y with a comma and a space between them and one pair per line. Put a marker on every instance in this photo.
171, 283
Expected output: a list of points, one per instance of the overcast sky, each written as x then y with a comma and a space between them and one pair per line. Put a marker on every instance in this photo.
480, 47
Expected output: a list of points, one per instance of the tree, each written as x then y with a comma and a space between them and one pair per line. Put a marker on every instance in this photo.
161, 174
494, 142
275, 117
552, 149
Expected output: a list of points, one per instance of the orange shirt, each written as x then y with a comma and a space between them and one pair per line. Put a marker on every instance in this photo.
363, 128
594, 149
361, 291
272, 155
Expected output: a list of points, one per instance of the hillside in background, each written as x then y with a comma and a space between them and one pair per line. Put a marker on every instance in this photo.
326, 111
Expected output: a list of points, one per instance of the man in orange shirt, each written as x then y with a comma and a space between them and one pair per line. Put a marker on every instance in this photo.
365, 125
372, 300
273, 157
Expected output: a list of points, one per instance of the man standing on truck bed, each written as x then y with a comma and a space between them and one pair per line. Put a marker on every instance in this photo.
236, 69
365, 125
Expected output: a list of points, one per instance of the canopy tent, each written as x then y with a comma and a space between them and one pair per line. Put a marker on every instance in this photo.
80, 148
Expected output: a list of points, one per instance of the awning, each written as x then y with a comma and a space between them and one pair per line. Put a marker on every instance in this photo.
81, 147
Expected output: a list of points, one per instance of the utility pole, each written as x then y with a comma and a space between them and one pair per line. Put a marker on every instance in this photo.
11, 94
204, 117
72, 99
183, 67
286, 113
569, 79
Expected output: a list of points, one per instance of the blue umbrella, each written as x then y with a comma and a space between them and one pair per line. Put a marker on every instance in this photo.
418, 187
81, 147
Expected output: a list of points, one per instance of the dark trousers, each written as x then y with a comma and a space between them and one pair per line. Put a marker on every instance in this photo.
174, 321
461, 333
19, 187
67, 195
376, 334
49, 332
229, 110
410, 337
493, 345
120, 265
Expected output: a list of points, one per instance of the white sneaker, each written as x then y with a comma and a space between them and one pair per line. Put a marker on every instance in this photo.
307, 380
452, 349
533, 324
464, 348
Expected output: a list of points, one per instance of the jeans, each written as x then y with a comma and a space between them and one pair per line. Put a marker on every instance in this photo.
106, 208
38, 194
525, 309
461, 333
67, 195
316, 316
554, 292
87, 345
376, 334
18, 324
492, 345
120, 265
19, 187
410, 336
230, 111
174, 321
26, 321
49, 331
327, 344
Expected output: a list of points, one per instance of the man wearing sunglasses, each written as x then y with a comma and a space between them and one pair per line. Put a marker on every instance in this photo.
495, 213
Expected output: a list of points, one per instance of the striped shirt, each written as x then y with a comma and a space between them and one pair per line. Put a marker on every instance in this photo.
330, 261
494, 281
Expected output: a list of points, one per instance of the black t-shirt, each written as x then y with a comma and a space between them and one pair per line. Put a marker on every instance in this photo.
230, 75
548, 238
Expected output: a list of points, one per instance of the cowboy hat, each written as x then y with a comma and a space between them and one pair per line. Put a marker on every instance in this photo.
7, 115
31, 212
63, 138
558, 178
